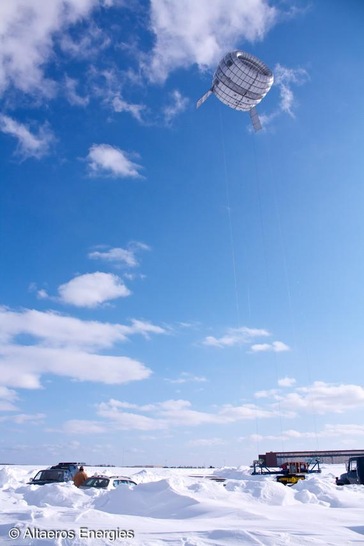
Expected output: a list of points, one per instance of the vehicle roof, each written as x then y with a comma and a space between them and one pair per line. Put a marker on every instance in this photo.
53, 469
109, 477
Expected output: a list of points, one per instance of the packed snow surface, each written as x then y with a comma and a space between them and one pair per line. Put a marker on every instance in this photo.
181, 507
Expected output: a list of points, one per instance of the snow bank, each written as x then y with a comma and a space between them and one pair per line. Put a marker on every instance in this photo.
180, 507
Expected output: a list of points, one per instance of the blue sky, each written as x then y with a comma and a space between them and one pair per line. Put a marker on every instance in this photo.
176, 289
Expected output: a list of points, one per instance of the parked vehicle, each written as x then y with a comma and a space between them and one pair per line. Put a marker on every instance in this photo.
72, 467
106, 482
354, 472
289, 472
51, 475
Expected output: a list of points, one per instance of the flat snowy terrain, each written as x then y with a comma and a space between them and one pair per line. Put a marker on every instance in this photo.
169, 507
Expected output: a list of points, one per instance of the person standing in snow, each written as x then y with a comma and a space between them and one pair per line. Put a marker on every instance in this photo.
80, 477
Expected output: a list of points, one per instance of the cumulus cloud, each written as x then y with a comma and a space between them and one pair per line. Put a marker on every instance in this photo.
23, 366
266, 393
121, 105
285, 78
275, 347
321, 398
87, 42
166, 415
80, 426
178, 104
104, 159
186, 377
30, 144
235, 336
318, 398
286, 382
24, 418
92, 289
64, 346
201, 32
56, 330
7, 399
245, 336
70, 89
206, 442
328, 431
120, 256
123, 420
123, 415
28, 30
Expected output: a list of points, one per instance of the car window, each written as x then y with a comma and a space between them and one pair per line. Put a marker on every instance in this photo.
96, 482
122, 481
50, 475
102, 483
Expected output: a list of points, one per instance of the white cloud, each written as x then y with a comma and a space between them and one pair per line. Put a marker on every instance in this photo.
79, 426
172, 413
34, 419
120, 256
92, 289
329, 431
112, 161
275, 347
127, 420
23, 365
266, 393
201, 32
245, 412
178, 104
186, 377
30, 144
167, 415
70, 87
120, 105
27, 31
206, 442
24, 418
7, 394
286, 382
87, 43
284, 79
56, 330
319, 398
236, 336
340, 430
7, 397
64, 346
323, 398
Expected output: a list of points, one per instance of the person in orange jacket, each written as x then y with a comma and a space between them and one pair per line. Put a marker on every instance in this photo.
80, 477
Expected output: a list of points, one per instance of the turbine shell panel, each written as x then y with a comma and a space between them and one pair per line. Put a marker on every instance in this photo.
241, 80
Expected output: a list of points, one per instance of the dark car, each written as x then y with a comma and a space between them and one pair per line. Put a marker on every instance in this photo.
354, 472
72, 467
51, 475
106, 482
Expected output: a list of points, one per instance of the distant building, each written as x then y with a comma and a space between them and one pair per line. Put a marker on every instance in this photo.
276, 458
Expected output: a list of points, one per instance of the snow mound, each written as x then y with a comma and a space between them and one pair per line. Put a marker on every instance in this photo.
53, 494
263, 491
10, 476
323, 490
181, 509
160, 499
